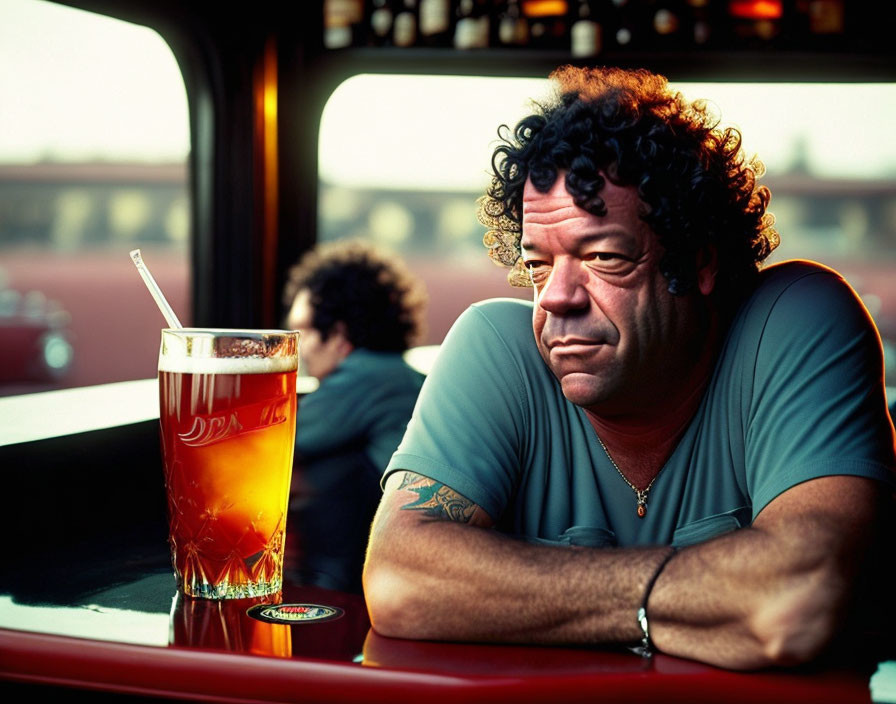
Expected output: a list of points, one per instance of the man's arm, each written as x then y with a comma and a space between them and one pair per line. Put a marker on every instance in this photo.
773, 593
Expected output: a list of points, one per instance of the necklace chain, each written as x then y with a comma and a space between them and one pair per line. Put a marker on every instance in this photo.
640, 494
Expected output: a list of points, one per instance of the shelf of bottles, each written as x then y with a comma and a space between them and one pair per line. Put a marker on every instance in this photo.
589, 28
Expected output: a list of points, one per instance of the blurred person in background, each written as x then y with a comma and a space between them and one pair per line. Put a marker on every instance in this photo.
358, 310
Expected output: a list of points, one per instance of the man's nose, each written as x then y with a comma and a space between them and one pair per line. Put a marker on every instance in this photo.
564, 291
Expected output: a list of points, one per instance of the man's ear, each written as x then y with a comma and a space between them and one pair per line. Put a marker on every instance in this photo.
341, 343
707, 268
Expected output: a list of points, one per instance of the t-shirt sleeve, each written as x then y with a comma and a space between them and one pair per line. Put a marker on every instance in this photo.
818, 403
467, 426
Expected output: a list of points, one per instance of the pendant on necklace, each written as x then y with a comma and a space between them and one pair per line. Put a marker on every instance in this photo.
642, 504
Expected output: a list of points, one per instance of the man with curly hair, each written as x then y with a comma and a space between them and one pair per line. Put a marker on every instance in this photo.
358, 310
692, 453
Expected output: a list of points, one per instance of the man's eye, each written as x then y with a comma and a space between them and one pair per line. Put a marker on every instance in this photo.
538, 271
534, 265
609, 262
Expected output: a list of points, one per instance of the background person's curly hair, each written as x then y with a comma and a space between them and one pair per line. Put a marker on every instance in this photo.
381, 304
698, 187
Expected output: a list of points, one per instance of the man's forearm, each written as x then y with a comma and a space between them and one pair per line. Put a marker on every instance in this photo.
759, 596
777, 592
450, 581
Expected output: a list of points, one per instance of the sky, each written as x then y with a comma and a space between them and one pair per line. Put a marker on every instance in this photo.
77, 86
463, 115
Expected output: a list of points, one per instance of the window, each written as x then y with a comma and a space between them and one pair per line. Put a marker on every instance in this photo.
94, 137
403, 158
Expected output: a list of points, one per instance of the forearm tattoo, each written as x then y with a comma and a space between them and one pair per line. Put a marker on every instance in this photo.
436, 500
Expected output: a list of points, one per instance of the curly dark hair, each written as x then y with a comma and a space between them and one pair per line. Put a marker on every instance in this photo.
381, 304
628, 125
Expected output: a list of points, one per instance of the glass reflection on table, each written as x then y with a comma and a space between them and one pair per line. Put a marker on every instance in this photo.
226, 625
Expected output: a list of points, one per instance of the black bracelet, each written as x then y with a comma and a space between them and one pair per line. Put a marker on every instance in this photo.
646, 647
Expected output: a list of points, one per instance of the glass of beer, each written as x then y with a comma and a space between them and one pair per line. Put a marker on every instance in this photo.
228, 419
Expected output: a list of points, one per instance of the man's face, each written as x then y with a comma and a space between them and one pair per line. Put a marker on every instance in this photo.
604, 320
319, 356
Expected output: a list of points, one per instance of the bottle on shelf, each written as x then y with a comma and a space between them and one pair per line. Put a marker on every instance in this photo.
471, 30
404, 23
548, 22
435, 23
701, 24
755, 23
510, 27
626, 28
826, 17
380, 18
817, 23
343, 23
586, 31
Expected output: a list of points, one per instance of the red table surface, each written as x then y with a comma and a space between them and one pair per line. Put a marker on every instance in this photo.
402, 671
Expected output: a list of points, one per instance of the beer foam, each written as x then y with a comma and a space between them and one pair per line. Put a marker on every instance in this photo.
227, 365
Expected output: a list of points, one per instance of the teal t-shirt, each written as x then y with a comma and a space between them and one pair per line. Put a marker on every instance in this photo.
797, 393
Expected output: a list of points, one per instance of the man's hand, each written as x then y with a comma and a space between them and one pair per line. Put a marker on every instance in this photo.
773, 593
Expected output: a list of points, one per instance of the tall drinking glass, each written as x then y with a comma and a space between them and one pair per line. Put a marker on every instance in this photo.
228, 418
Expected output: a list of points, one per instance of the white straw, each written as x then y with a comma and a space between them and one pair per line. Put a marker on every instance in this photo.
156, 292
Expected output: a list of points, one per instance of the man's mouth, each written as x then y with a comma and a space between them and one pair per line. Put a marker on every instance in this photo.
571, 344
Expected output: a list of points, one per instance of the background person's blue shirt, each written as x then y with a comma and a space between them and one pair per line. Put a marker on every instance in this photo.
346, 431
